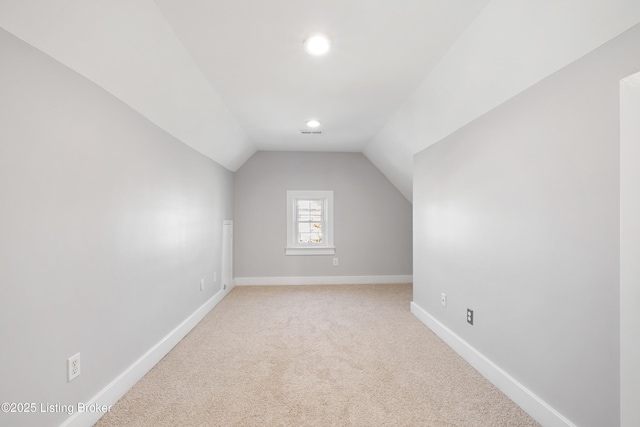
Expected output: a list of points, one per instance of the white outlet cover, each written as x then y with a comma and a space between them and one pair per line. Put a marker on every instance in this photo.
73, 367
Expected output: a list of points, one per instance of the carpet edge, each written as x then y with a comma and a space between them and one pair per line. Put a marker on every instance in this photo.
117, 388
537, 408
323, 280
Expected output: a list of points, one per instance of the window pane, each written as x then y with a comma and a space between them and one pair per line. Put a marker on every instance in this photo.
309, 216
304, 227
314, 237
309, 222
303, 237
309, 210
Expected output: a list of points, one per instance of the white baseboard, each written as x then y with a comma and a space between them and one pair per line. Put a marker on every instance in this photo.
120, 385
537, 408
323, 280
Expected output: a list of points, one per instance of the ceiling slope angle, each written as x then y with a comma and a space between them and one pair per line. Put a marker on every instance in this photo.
252, 53
484, 68
129, 49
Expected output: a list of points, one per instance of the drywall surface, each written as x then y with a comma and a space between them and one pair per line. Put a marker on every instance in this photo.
107, 226
511, 45
372, 219
130, 50
630, 250
516, 216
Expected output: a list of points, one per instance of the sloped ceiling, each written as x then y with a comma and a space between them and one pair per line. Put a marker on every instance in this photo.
129, 49
511, 45
229, 77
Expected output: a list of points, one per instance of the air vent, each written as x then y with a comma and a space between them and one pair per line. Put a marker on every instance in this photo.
308, 132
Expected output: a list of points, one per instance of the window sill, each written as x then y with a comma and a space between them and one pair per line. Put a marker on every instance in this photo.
310, 251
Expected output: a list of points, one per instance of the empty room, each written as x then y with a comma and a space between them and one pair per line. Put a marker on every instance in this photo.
338, 213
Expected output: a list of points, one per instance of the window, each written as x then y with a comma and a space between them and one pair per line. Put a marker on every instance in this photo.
310, 223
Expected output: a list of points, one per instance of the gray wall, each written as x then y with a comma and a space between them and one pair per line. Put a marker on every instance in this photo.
630, 250
107, 224
517, 217
372, 218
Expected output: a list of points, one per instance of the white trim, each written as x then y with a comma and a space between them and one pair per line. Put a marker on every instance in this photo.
127, 379
522, 396
324, 248
322, 280
310, 251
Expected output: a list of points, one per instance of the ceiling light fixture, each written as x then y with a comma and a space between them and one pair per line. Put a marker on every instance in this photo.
313, 123
317, 44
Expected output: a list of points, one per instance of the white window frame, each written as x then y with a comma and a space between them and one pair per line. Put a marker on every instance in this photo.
293, 246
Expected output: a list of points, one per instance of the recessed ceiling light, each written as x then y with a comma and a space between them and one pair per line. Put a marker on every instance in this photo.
313, 123
317, 44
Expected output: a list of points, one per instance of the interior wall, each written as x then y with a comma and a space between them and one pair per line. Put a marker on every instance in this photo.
516, 216
372, 219
510, 46
107, 226
629, 250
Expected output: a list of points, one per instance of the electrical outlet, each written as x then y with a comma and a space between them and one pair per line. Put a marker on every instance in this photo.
73, 367
443, 299
469, 316
201, 285
335, 262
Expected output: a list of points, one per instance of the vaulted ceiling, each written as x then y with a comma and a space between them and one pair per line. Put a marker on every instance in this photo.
229, 77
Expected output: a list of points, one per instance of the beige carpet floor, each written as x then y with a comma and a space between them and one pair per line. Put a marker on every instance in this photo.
349, 355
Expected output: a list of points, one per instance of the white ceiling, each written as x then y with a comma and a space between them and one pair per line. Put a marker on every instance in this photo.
252, 53
200, 68
229, 77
